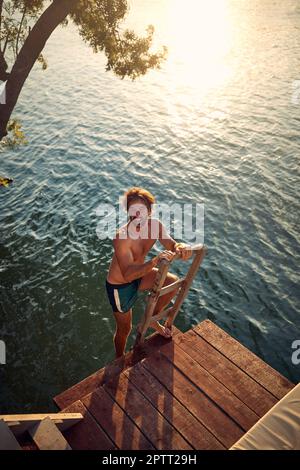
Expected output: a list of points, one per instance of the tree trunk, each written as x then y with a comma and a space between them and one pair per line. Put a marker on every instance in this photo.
33, 46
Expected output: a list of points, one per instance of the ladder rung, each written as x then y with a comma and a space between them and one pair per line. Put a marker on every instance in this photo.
170, 287
162, 314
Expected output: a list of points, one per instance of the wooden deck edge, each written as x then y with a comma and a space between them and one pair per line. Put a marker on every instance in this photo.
272, 380
98, 378
88, 434
211, 333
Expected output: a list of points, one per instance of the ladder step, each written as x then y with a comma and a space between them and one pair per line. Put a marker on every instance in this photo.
170, 287
47, 436
162, 314
7, 439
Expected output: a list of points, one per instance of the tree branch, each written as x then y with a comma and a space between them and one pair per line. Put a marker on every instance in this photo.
3, 65
1, 6
6, 42
57, 11
19, 30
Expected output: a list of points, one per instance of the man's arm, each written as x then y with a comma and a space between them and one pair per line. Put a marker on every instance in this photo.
131, 271
165, 239
170, 244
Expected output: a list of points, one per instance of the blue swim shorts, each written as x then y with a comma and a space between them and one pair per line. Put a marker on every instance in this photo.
122, 296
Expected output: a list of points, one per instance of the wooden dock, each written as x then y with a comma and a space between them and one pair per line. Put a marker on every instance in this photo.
201, 390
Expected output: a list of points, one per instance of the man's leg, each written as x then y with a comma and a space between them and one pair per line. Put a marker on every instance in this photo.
123, 328
164, 300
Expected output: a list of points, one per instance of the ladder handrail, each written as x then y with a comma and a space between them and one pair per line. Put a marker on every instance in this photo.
199, 251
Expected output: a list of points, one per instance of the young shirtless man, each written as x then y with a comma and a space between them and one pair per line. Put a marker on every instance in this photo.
129, 273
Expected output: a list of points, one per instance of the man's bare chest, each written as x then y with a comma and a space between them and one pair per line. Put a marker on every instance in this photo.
140, 248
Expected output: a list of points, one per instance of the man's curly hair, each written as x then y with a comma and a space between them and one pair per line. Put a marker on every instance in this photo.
136, 193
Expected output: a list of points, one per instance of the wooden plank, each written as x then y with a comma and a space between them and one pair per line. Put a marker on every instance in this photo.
7, 439
197, 402
256, 397
178, 416
20, 423
119, 427
98, 378
47, 436
87, 434
223, 397
152, 424
255, 367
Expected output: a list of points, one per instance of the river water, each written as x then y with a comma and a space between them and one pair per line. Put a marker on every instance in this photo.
218, 124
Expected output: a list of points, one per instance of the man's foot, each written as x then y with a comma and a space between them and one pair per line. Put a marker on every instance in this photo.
163, 330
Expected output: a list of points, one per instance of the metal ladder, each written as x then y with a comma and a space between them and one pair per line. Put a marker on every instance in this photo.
184, 284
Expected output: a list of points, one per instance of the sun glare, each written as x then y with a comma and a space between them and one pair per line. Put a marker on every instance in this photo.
199, 40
